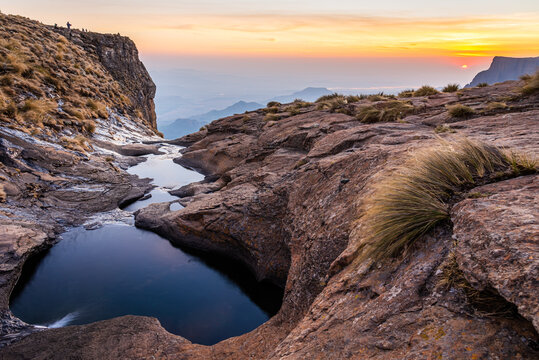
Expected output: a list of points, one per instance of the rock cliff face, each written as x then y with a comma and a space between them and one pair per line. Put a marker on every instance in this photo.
119, 56
68, 118
506, 68
284, 195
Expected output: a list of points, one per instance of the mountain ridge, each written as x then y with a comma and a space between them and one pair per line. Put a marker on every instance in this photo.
505, 68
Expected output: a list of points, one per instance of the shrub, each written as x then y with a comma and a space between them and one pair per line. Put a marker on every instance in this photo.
426, 90
385, 112
417, 195
273, 103
525, 77
483, 84
532, 85
450, 88
460, 111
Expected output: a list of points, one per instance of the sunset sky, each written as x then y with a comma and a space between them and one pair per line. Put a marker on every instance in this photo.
339, 43
305, 27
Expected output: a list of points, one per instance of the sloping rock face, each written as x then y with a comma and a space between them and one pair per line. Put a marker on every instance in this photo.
287, 202
497, 239
506, 68
119, 55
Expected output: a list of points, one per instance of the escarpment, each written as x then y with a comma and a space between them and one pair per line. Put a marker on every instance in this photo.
70, 111
119, 55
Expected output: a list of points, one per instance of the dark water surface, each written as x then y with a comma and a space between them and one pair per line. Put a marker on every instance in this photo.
119, 269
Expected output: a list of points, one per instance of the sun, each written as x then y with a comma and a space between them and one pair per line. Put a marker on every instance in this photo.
464, 66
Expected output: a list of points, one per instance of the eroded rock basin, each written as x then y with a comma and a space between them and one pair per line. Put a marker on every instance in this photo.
117, 270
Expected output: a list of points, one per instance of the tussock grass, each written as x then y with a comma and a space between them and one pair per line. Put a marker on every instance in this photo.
483, 84
328, 97
460, 111
406, 93
532, 85
417, 196
273, 103
426, 90
271, 117
495, 105
393, 110
443, 128
450, 88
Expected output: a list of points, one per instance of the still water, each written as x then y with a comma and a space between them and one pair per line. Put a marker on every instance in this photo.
116, 270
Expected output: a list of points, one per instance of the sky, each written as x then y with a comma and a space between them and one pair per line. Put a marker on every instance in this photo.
287, 45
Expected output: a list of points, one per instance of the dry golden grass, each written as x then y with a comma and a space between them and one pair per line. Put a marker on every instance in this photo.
417, 195
450, 88
532, 85
40, 68
460, 111
496, 105
392, 110
425, 90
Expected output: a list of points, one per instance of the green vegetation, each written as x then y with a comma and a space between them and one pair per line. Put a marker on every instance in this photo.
483, 84
392, 110
426, 90
417, 195
460, 111
273, 103
450, 88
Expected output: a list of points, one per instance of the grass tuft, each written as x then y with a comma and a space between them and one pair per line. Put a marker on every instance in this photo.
392, 110
532, 85
460, 111
417, 196
426, 90
450, 88
483, 84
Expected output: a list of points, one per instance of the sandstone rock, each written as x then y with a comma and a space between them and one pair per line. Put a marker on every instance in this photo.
497, 238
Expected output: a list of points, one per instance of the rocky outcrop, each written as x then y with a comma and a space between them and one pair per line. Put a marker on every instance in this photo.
506, 68
119, 55
497, 240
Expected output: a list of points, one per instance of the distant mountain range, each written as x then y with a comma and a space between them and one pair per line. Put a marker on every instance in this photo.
181, 127
506, 68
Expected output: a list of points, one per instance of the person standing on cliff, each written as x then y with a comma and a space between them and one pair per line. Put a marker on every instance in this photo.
68, 26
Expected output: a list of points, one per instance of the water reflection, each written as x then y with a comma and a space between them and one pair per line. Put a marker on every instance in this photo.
119, 270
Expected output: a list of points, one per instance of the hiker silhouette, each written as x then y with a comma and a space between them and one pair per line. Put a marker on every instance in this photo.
68, 26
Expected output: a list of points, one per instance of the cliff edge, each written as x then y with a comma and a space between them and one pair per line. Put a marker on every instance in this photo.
506, 68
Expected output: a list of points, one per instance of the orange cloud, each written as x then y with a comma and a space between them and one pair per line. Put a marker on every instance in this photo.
341, 35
